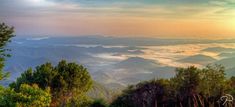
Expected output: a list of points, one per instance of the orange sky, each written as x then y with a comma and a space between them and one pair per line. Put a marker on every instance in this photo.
203, 19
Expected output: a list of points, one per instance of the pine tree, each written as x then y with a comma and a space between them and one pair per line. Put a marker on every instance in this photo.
6, 33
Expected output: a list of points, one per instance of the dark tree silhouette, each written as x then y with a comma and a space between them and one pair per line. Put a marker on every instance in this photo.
6, 33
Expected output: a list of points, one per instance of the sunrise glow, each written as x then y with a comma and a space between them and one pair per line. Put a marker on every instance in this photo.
150, 18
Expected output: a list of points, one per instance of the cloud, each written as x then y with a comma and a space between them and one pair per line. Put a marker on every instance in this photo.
37, 39
136, 8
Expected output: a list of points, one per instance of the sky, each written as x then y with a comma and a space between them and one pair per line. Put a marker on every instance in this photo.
131, 18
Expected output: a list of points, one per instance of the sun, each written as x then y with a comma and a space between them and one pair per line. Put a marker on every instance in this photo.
231, 23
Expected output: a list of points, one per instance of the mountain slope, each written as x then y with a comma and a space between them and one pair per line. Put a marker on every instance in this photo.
218, 49
227, 63
137, 63
99, 91
199, 59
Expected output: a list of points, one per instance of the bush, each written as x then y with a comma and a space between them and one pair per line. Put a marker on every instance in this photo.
28, 96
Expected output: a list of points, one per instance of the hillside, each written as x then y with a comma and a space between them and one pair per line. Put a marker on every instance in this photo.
199, 59
137, 63
230, 72
227, 55
227, 63
218, 49
98, 91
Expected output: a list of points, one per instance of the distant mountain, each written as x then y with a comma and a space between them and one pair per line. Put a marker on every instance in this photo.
98, 91
102, 77
137, 63
228, 63
164, 72
218, 49
107, 81
104, 57
102, 40
136, 69
130, 80
227, 55
157, 73
230, 72
199, 59
116, 87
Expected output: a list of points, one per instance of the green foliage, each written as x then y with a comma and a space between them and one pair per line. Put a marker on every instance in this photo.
81, 100
186, 83
6, 33
232, 84
186, 79
191, 87
213, 82
28, 96
66, 80
146, 94
99, 103
26, 78
193, 84
99, 91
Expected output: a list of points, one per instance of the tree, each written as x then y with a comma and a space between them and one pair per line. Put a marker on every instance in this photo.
232, 85
6, 33
186, 83
189, 88
66, 80
146, 94
99, 103
213, 81
187, 79
26, 78
27, 96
